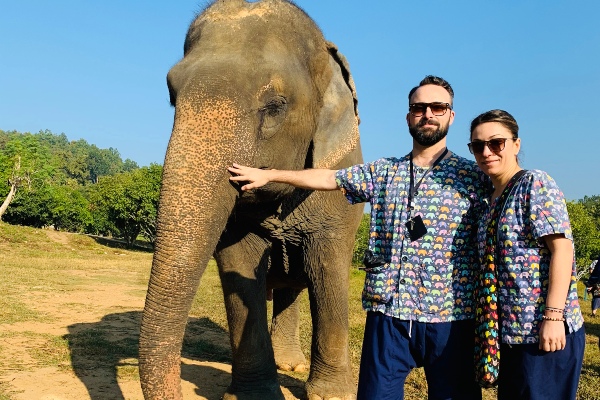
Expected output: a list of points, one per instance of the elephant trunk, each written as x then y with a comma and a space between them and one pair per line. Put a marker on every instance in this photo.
195, 202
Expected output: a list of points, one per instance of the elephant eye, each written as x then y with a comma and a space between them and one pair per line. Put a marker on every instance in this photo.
275, 106
272, 115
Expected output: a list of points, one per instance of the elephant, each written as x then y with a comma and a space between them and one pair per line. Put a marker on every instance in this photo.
258, 85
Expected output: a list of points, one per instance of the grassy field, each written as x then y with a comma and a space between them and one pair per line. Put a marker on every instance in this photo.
70, 306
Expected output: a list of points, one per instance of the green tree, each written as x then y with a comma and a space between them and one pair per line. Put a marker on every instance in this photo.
585, 234
592, 206
68, 209
103, 162
361, 240
124, 205
15, 181
62, 207
35, 157
52, 177
146, 192
129, 165
74, 161
25, 162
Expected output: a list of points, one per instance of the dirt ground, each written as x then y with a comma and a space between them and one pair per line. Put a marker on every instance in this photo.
111, 308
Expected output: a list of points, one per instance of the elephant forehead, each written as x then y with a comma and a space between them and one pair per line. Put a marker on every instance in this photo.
196, 106
218, 118
242, 10
258, 20
276, 84
241, 14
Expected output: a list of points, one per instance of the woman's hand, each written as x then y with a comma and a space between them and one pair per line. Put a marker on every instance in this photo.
552, 335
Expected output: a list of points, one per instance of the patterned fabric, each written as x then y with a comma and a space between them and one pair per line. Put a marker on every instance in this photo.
430, 279
487, 343
596, 290
535, 208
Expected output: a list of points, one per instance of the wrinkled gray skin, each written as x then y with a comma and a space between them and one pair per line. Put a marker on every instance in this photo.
260, 86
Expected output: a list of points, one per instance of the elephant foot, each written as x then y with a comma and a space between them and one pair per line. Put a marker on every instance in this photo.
270, 394
268, 391
300, 367
291, 360
330, 392
317, 397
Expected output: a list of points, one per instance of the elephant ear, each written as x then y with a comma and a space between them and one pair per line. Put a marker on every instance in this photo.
336, 134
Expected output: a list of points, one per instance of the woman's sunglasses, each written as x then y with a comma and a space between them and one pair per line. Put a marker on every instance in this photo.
495, 145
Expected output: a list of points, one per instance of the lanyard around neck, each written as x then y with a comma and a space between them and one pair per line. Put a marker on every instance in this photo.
413, 188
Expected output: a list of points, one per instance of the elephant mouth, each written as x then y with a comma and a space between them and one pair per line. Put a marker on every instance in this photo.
272, 193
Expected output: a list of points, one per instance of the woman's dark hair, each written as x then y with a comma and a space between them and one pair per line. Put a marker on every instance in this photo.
499, 116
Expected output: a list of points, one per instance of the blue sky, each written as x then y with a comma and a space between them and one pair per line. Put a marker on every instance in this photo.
96, 70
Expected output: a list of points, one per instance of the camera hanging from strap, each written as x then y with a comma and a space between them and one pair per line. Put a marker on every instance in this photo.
414, 225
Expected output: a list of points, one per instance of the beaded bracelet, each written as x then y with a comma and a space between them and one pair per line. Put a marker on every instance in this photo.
556, 310
552, 319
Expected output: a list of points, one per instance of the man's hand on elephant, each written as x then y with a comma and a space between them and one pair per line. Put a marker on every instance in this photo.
313, 179
257, 177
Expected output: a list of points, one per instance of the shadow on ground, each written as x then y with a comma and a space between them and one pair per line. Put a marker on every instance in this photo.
122, 244
102, 351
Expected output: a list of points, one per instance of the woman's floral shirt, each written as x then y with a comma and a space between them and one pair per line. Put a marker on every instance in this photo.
535, 208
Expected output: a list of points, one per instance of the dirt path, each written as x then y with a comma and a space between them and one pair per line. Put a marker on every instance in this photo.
107, 314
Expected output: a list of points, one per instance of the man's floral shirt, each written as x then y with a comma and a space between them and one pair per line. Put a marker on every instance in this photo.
430, 279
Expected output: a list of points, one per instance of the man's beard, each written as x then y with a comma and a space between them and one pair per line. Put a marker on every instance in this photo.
425, 136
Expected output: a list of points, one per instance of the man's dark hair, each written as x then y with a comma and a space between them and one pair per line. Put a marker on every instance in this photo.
500, 116
433, 80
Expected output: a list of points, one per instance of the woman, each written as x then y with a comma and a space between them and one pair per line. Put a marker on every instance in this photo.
529, 246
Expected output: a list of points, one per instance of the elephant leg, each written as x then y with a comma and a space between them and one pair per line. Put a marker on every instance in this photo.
330, 369
285, 330
243, 264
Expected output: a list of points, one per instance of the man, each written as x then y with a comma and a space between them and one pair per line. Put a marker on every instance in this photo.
422, 255
591, 270
592, 281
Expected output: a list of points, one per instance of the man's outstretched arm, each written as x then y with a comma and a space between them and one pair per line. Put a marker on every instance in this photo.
315, 179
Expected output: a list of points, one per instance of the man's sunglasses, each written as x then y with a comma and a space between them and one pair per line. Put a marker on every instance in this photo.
495, 145
419, 109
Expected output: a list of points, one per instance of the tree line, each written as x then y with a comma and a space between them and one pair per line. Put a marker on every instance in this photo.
48, 181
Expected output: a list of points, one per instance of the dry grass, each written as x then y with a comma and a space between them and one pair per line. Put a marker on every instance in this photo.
51, 266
